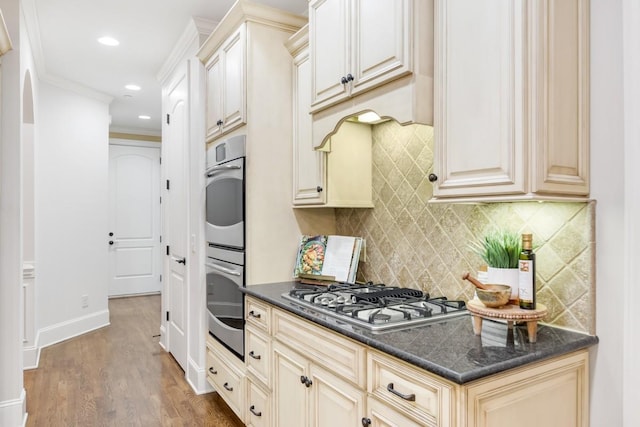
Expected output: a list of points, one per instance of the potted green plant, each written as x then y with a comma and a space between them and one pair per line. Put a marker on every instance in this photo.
500, 250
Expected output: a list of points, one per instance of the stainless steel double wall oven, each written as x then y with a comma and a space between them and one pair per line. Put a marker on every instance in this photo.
225, 234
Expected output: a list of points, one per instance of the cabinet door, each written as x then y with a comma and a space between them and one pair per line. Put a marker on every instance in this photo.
334, 401
233, 95
328, 41
290, 396
479, 106
308, 164
214, 96
381, 42
560, 95
560, 386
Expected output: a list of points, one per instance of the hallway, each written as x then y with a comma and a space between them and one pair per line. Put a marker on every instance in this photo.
118, 375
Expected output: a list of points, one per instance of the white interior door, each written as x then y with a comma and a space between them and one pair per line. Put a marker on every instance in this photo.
134, 220
176, 220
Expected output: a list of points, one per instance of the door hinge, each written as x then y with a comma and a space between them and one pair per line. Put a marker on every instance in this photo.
168, 119
167, 316
160, 158
160, 199
168, 185
160, 239
161, 277
167, 249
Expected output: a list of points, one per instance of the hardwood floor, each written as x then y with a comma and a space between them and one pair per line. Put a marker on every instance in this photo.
118, 375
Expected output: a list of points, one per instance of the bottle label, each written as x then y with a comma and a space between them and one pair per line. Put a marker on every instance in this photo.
525, 280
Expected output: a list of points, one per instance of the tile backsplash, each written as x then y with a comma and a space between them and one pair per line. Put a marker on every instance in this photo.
412, 243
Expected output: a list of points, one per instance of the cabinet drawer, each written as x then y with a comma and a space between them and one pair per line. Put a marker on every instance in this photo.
258, 405
342, 356
257, 313
382, 415
411, 391
258, 358
226, 381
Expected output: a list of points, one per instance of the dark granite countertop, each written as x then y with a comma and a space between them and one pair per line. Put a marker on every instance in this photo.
446, 348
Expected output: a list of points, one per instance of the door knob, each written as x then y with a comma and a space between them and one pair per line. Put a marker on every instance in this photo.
110, 234
433, 177
111, 242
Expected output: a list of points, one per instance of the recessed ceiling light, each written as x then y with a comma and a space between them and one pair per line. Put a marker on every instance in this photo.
143, 117
132, 87
108, 41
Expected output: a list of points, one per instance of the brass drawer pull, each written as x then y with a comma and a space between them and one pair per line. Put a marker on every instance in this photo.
410, 397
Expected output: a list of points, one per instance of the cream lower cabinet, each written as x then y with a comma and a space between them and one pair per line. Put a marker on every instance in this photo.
226, 374
320, 378
306, 394
511, 105
258, 361
553, 393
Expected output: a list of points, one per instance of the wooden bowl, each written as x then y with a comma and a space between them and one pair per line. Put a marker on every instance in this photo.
495, 296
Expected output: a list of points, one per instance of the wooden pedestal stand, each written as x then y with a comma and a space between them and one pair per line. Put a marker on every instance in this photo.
510, 313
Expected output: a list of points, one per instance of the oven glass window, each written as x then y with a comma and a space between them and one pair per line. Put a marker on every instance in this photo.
224, 202
224, 300
221, 152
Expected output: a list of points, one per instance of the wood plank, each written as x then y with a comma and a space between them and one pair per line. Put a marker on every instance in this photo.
119, 375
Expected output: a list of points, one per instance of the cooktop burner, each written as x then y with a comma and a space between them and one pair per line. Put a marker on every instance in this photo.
375, 306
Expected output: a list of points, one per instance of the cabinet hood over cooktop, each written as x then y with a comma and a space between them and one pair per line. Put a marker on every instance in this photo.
385, 66
407, 100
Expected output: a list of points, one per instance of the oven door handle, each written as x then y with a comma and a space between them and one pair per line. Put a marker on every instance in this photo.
223, 269
212, 170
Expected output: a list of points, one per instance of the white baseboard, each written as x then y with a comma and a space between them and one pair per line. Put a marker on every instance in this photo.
71, 328
162, 337
13, 412
31, 356
197, 377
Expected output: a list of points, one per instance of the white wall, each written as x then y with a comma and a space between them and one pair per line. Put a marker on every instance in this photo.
71, 178
607, 187
11, 384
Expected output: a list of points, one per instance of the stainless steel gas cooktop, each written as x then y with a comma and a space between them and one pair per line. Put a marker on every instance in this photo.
375, 307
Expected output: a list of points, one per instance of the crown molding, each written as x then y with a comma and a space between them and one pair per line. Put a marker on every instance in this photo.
30, 16
194, 34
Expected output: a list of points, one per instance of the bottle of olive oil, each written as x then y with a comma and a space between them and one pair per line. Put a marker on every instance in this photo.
527, 274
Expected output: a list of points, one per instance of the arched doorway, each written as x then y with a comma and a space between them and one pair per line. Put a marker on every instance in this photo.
28, 223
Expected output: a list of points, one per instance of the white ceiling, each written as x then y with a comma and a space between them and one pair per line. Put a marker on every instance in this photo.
64, 37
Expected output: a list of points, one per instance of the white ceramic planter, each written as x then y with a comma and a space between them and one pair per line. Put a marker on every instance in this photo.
504, 276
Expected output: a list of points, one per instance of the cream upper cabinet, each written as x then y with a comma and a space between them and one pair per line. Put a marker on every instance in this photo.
340, 174
357, 45
511, 115
308, 164
225, 83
